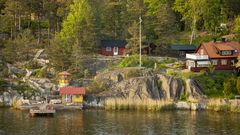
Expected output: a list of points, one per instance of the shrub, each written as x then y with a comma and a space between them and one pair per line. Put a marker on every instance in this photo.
238, 85
230, 88
184, 96
133, 61
41, 73
97, 87
169, 60
217, 84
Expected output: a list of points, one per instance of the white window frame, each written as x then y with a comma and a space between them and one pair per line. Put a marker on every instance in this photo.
226, 53
224, 62
108, 49
215, 62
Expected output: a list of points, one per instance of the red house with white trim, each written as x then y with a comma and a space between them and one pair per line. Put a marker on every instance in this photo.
113, 47
221, 54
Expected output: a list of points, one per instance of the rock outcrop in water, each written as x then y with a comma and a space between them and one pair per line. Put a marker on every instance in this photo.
142, 83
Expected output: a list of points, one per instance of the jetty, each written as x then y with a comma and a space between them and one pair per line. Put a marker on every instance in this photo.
43, 110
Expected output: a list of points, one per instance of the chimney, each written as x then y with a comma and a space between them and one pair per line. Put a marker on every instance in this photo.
223, 39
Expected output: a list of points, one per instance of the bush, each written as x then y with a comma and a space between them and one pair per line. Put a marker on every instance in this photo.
230, 88
217, 84
25, 90
41, 73
184, 96
97, 87
169, 60
133, 61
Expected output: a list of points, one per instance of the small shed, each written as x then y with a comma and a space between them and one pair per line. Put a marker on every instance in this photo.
113, 47
64, 79
72, 95
183, 49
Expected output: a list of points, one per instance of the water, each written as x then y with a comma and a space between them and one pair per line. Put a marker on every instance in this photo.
13, 122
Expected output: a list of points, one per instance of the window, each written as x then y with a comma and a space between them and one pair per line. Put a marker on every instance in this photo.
223, 62
108, 49
191, 63
214, 62
203, 63
232, 62
182, 53
226, 53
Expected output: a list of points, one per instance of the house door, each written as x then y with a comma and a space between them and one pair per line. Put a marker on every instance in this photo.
115, 51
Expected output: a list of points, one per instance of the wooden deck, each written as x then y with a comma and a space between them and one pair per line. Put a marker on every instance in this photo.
45, 112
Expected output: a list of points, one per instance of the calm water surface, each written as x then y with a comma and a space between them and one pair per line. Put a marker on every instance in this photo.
13, 122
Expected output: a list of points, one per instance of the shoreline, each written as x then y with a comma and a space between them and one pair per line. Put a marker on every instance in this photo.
217, 105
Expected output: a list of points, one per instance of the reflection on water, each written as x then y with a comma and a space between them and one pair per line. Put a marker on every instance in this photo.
13, 122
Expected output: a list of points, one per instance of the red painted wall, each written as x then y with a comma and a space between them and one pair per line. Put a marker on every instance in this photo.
219, 66
229, 65
110, 53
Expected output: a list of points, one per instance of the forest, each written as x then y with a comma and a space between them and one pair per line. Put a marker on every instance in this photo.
70, 30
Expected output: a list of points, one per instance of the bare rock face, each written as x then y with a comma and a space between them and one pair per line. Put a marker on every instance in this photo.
171, 88
194, 91
145, 86
137, 88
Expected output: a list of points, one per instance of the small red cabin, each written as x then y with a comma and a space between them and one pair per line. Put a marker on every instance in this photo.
72, 95
113, 47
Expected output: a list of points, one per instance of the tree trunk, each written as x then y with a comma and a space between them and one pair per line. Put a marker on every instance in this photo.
193, 30
19, 22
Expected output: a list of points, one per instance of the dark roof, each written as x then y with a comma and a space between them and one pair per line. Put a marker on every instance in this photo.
113, 43
183, 47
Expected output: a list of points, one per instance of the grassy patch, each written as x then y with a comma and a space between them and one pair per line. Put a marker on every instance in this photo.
133, 61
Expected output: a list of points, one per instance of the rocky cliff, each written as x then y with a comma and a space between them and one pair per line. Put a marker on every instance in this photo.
135, 83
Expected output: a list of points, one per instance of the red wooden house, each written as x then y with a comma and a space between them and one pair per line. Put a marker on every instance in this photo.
222, 55
113, 47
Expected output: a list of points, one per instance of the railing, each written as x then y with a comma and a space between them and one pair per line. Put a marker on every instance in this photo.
196, 56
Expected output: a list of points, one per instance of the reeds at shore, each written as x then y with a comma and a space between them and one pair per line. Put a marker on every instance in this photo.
138, 104
223, 106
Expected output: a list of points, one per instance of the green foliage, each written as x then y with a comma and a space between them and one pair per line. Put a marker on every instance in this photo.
19, 49
25, 90
237, 26
96, 87
211, 68
3, 85
169, 60
230, 87
159, 84
133, 61
217, 84
41, 73
133, 41
238, 85
184, 96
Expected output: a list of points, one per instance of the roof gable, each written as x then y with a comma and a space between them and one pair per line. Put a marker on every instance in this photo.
213, 49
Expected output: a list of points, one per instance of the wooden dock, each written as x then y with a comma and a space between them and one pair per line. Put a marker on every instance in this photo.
43, 110
36, 112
